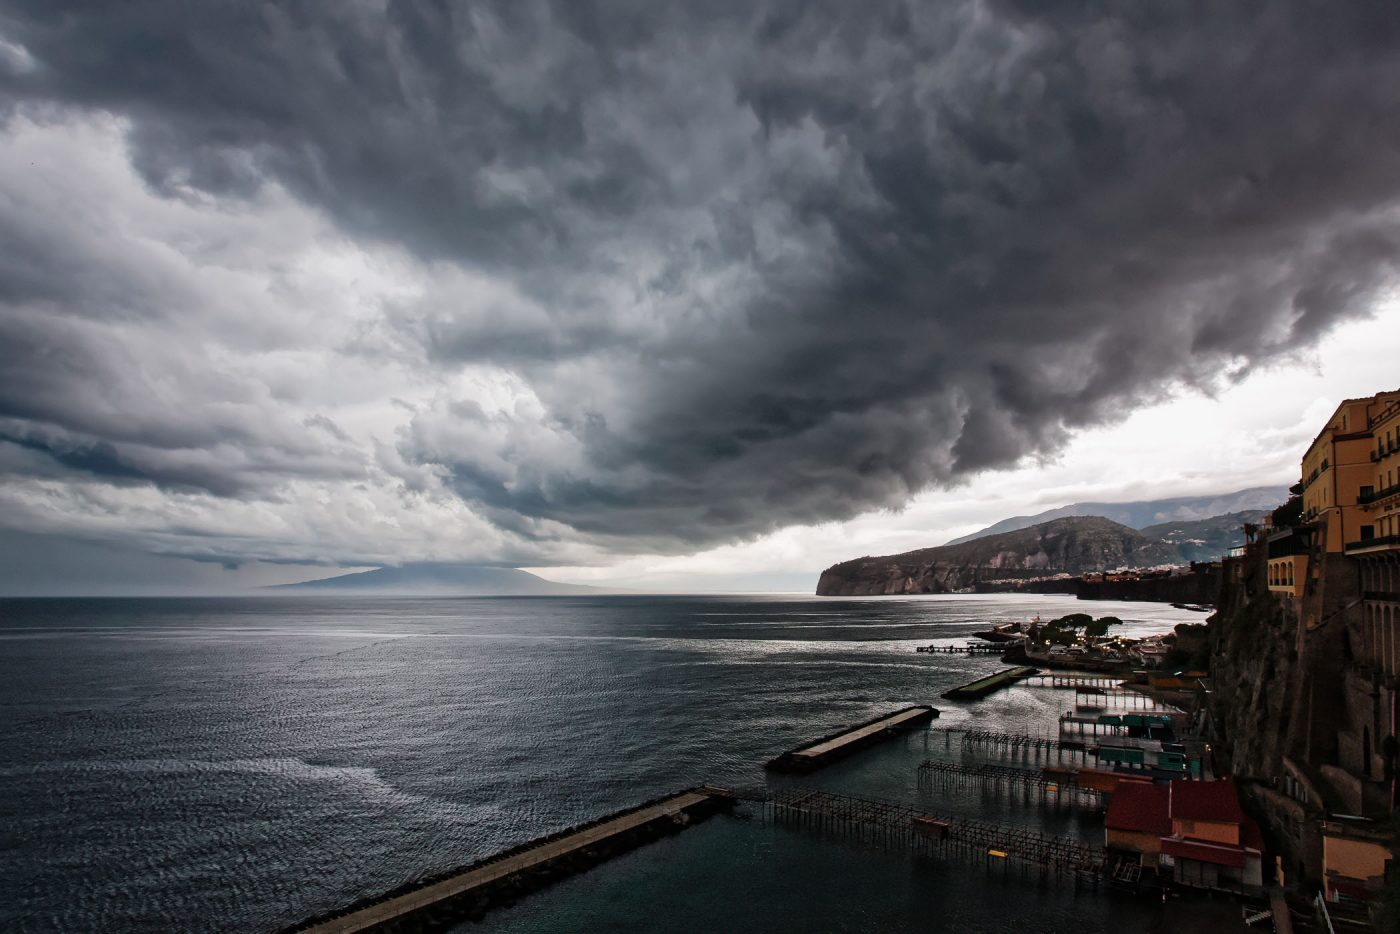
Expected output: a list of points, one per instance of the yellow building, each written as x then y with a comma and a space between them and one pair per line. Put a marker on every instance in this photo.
1377, 545
1339, 470
1354, 857
1351, 505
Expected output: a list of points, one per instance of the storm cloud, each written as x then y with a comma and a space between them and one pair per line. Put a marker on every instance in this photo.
595, 278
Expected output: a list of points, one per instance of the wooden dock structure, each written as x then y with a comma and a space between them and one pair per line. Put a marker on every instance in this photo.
1085, 696
888, 822
468, 891
819, 752
1012, 742
1053, 679
994, 682
1050, 786
972, 648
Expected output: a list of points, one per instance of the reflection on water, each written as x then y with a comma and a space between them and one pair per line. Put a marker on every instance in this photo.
238, 764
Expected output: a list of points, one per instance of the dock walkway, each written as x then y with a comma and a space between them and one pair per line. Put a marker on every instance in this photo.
621, 831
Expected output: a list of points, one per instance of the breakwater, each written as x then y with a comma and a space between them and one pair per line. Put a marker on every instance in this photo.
994, 682
469, 891
819, 752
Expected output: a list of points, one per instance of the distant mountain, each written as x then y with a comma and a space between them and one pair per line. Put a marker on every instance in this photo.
463, 580
1144, 513
1070, 545
1206, 539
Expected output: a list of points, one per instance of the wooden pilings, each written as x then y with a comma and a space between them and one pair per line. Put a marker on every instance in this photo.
972, 648
1045, 786
891, 823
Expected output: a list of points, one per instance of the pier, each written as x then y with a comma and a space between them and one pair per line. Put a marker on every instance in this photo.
1116, 697
833, 746
1010, 742
468, 891
1053, 679
972, 648
892, 823
1050, 785
984, 686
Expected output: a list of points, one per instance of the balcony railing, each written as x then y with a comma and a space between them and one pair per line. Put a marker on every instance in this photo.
1382, 541
1374, 495
1391, 596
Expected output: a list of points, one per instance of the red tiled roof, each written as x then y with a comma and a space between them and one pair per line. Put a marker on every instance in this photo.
1216, 853
1212, 801
1139, 807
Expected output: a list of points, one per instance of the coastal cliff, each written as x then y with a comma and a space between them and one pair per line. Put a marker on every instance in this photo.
1291, 712
1072, 545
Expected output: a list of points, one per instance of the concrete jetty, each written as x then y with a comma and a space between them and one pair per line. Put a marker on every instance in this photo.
468, 891
833, 746
984, 686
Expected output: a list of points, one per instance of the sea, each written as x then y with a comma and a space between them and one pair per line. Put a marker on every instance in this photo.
241, 764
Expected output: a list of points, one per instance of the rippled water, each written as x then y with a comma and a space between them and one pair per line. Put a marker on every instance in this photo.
240, 764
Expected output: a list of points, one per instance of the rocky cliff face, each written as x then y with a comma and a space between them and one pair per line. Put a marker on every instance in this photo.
1255, 676
1075, 545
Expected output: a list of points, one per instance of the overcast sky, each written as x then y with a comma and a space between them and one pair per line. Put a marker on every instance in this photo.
666, 292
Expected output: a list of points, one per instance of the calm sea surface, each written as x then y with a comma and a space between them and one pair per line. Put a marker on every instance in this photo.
239, 764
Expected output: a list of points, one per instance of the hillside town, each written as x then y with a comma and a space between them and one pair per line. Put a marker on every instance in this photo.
1267, 762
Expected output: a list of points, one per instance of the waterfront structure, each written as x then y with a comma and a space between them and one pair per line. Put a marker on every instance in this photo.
1194, 831
1212, 843
1137, 820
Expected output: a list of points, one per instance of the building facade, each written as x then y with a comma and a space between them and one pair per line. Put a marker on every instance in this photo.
1340, 567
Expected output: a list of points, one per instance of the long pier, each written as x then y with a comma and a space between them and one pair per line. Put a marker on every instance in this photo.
900, 824
984, 686
833, 746
470, 890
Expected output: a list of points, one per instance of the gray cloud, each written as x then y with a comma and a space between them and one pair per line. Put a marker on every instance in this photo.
757, 265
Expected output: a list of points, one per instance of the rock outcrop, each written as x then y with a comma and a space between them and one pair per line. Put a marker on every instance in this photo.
1074, 545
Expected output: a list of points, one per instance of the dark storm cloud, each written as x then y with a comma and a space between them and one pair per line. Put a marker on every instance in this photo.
777, 262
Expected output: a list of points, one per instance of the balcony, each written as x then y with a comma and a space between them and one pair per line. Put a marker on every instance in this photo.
1364, 498
1380, 543
1288, 543
1388, 596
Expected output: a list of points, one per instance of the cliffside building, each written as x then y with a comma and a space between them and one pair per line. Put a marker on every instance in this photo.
1376, 547
1306, 657
1194, 830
